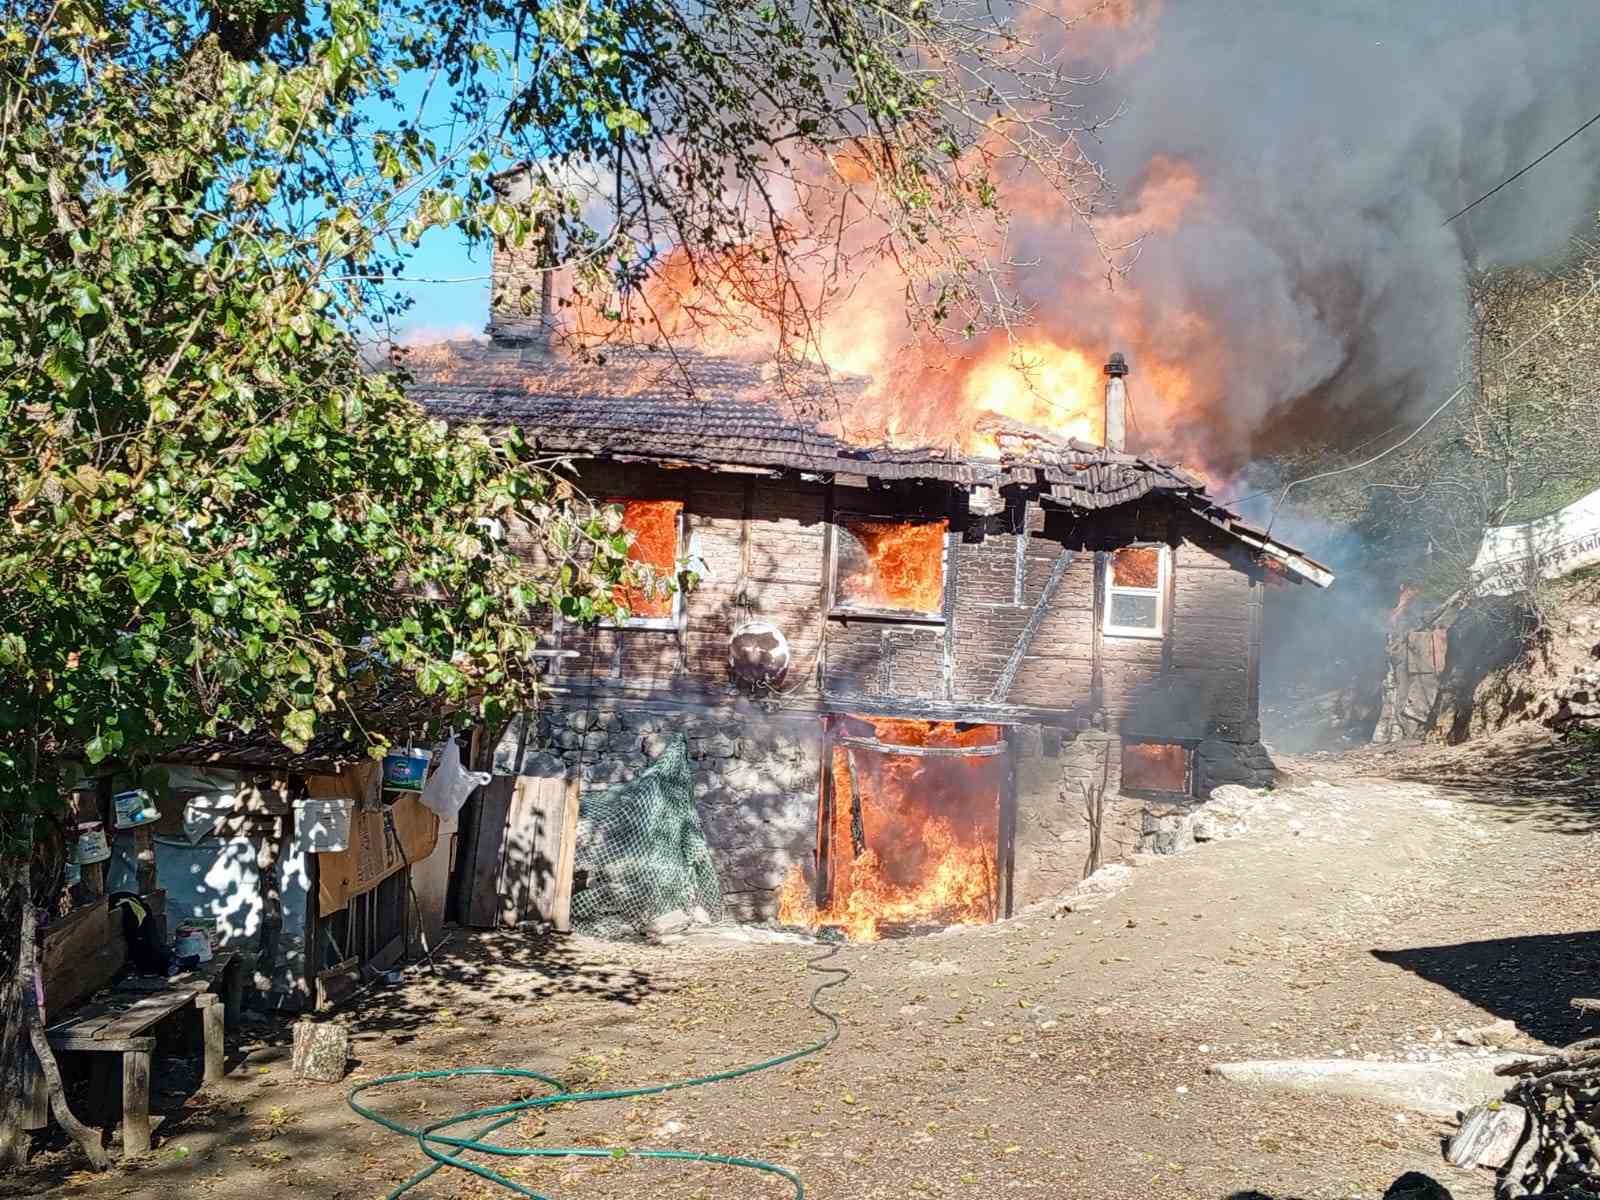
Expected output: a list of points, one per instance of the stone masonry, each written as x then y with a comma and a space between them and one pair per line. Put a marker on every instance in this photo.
755, 784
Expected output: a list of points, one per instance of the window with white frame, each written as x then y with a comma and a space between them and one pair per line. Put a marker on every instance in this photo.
1135, 591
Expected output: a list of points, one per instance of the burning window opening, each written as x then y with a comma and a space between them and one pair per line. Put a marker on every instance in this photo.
1155, 767
908, 838
1135, 576
883, 566
654, 525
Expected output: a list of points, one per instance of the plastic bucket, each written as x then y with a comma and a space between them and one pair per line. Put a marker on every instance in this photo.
405, 772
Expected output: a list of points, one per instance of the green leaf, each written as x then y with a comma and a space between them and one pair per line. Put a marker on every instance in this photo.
144, 582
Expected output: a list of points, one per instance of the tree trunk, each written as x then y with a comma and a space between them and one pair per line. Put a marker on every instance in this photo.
13, 1025
23, 1029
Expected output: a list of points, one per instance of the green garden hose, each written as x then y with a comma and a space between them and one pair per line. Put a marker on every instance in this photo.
448, 1150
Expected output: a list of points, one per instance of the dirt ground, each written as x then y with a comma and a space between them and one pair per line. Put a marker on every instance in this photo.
1379, 902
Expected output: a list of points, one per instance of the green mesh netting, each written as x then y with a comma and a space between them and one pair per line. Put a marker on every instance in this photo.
642, 853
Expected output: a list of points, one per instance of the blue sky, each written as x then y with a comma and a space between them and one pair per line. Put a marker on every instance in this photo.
444, 310
440, 310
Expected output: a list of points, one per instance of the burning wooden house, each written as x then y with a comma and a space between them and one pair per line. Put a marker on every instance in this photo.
901, 672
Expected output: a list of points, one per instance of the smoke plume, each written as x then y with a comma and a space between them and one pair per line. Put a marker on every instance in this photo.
1311, 286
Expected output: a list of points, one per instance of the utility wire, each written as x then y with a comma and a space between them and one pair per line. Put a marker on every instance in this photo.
1507, 182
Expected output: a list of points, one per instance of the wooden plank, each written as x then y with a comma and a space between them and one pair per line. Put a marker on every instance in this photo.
135, 1102
561, 905
145, 1013
35, 1112
483, 834
337, 982
80, 954
79, 1045
532, 855
90, 1016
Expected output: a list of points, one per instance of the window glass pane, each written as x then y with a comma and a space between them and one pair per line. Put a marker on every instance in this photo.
1137, 567
897, 566
1133, 610
654, 525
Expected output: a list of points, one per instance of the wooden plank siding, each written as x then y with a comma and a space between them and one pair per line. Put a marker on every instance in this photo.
764, 544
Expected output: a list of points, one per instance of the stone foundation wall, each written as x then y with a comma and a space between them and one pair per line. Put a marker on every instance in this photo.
1218, 761
1052, 832
755, 784
1051, 847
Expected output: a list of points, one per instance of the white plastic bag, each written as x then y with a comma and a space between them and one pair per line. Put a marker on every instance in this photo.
450, 784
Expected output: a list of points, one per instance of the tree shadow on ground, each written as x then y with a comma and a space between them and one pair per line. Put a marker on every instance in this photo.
1413, 1185
1526, 979
1521, 775
504, 970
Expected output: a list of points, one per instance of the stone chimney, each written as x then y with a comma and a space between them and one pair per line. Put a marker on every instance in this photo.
521, 288
1116, 403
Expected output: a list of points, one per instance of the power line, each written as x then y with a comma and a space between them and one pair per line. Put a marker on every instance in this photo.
1507, 182
1428, 420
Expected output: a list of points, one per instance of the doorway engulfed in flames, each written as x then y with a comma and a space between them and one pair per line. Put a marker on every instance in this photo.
909, 829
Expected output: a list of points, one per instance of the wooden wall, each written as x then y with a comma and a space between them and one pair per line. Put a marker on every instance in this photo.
768, 566
1031, 580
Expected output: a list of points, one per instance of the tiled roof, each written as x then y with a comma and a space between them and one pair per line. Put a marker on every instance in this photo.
679, 407
703, 410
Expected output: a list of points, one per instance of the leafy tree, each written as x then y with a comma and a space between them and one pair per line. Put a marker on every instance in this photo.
216, 513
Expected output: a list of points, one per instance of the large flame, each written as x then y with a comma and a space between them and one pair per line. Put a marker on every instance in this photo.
831, 297
921, 391
919, 847
892, 565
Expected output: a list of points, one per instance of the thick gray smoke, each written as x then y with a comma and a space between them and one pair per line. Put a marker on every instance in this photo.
1333, 137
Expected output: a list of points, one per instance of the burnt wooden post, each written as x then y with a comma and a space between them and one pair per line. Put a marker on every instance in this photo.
1006, 851
825, 793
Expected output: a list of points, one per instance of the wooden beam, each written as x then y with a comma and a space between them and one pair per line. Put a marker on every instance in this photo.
866, 743
1006, 851
952, 573
1041, 609
825, 794
212, 1017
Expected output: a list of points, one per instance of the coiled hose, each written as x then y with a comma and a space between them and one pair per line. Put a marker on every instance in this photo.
448, 1150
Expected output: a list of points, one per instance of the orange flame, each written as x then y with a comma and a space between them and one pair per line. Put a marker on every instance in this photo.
654, 526
911, 839
1408, 593
830, 296
902, 566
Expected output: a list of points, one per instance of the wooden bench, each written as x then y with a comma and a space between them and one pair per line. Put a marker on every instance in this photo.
121, 1020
